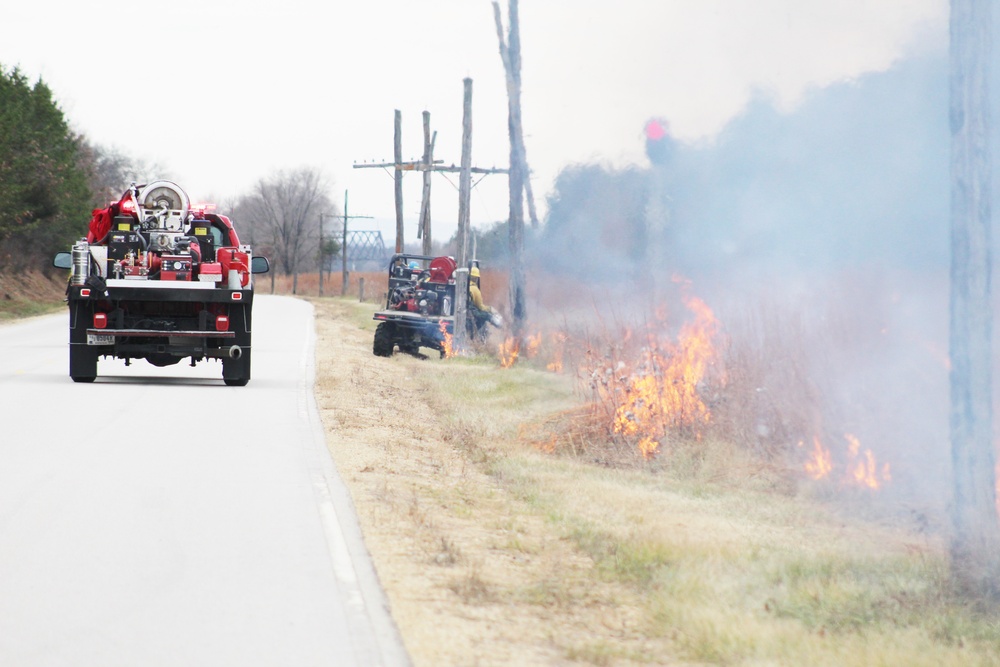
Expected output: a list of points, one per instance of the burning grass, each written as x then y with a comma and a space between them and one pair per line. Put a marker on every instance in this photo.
663, 387
649, 388
519, 556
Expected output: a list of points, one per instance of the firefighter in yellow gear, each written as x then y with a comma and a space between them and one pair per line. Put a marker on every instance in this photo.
481, 313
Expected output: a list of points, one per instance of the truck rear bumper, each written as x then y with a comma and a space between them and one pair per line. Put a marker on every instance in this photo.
151, 333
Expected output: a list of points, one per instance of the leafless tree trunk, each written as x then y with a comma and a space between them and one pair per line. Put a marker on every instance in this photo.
286, 208
424, 229
975, 541
510, 53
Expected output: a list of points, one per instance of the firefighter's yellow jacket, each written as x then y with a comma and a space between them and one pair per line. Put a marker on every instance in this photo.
477, 298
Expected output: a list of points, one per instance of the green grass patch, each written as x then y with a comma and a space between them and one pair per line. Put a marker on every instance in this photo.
15, 309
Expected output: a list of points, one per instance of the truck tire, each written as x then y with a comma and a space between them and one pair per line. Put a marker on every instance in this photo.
82, 363
236, 372
383, 344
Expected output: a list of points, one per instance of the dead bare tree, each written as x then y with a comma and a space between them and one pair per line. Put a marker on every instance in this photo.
514, 82
109, 171
510, 53
975, 540
285, 210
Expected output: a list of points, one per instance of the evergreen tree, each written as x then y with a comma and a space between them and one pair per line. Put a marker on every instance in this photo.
44, 196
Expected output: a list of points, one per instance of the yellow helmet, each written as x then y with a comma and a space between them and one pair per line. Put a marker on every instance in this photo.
474, 272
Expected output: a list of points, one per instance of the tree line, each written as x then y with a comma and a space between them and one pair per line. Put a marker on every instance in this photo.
52, 178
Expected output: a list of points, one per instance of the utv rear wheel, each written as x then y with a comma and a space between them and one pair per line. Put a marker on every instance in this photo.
383, 344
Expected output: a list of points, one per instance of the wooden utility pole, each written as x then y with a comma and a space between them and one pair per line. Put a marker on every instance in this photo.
397, 153
459, 339
424, 228
428, 165
975, 540
465, 176
510, 53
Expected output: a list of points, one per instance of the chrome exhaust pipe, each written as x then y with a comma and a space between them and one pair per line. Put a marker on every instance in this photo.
232, 352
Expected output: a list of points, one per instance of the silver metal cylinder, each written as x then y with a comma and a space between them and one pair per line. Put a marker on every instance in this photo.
81, 263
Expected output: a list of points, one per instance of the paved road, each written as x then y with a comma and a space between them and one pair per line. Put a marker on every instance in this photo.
158, 517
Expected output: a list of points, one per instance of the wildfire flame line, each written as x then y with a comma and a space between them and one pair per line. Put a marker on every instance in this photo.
820, 465
861, 469
532, 344
447, 340
662, 393
508, 351
559, 344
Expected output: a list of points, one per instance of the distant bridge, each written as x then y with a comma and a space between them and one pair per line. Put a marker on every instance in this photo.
366, 246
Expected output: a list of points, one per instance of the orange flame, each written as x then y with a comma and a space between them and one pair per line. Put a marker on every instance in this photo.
508, 351
448, 341
861, 468
864, 471
663, 393
559, 339
532, 345
820, 465
648, 447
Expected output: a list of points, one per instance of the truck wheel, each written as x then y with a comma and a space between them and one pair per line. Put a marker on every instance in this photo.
383, 345
82, 363
236, 372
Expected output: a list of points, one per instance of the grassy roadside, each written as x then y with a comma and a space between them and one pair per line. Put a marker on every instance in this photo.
533, 558
30, 294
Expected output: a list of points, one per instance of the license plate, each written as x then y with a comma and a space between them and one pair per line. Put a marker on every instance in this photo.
100, 339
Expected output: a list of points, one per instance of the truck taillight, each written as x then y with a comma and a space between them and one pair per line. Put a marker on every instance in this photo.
100, 320
222, 323
237, 296
85, 292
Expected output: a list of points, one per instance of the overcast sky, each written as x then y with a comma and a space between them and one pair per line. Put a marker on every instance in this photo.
224, 92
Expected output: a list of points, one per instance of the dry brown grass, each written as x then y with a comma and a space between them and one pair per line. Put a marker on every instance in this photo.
495, 551
376, 284
30, 293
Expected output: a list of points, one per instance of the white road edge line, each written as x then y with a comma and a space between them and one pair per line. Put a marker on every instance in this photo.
379, 643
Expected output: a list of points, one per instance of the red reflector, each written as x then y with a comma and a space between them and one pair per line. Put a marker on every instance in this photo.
100, 320
222, 323
237, 296
85, 292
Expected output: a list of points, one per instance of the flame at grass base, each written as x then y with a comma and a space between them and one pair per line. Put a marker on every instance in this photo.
820, 464
661, 392
447, 340
859, 469
508, 351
